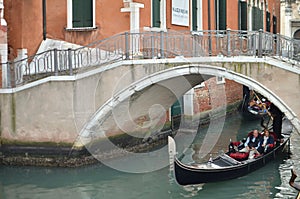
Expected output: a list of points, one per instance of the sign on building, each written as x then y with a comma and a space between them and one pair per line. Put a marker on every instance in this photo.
180, 12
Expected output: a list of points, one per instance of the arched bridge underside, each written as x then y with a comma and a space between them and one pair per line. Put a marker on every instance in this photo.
161, 89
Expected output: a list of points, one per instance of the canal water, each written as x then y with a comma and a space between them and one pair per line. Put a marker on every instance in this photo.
99, 181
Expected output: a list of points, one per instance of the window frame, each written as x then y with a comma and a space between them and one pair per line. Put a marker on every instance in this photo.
221, 14
70, 17
198, 14
163, 24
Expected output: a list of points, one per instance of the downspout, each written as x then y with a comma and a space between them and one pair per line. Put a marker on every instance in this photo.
44, 20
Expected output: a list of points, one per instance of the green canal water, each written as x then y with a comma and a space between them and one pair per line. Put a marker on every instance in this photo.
99, 181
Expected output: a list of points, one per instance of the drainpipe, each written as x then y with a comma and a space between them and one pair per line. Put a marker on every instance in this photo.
44, 20
209, 27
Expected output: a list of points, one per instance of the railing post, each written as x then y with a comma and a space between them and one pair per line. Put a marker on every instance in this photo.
228, 43
126, 45
209, 43
55, 62
8, 81
70, 61
277, 44
194, 45
152, 45
162, 44
260, 38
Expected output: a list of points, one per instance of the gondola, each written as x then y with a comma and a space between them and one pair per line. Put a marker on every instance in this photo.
259, 106
223, 167
257, 110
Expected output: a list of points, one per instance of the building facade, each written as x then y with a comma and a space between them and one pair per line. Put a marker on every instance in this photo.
290, 18
85, 21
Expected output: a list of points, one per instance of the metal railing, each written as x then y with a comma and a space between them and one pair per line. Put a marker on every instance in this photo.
151, 45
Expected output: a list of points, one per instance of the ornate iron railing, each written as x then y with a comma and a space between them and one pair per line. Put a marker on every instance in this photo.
151, 45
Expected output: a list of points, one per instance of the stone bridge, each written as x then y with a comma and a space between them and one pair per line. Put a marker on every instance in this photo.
111, 94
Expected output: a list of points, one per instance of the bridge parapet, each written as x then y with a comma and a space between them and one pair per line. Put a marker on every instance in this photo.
66, 103
152, 45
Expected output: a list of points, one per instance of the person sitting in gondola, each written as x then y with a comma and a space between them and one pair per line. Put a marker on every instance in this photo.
267, 142
252, 144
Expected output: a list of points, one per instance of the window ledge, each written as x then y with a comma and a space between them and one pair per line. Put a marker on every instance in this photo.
83, 29
155, 29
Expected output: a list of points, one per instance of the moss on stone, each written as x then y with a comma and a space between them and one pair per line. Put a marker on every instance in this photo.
31, 143
13, 114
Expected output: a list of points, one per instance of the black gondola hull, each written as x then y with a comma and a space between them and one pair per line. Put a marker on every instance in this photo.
187, 175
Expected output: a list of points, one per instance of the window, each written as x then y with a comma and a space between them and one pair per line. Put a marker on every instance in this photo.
257, 18
220, 80
196, 15
268, 21
243, 14
156, 13
221, 20
81, 14
297, 35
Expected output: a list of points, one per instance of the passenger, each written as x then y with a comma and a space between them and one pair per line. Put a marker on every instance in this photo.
252, 144
255, 103
267, 143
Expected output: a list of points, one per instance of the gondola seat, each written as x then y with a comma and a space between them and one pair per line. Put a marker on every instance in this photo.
239, 156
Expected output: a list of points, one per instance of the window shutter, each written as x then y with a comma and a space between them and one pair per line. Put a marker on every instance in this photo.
257, 18
268, 21
156, 13
195, 15
261, 19
254, 18
82, 13
244, 15
222, 15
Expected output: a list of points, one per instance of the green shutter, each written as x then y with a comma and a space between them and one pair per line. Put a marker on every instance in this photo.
82, 13
195, 15
222, 15
257, 18
244, 15
261, 19
156, 13
254, 18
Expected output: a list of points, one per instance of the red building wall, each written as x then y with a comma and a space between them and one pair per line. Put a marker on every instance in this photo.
25, 29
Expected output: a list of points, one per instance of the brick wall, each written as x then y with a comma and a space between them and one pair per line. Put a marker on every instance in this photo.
211, 95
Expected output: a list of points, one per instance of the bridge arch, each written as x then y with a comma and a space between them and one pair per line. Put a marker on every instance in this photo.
193, 74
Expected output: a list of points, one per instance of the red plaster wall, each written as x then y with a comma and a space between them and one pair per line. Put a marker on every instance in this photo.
25, 25
24, 19
232, 14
